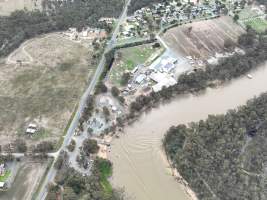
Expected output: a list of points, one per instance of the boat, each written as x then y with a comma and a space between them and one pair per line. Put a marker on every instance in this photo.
249, 76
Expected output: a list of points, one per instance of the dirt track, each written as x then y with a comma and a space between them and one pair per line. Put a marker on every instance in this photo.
205, 39
43, 87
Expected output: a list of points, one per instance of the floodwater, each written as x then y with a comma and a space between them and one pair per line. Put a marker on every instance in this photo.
139, 166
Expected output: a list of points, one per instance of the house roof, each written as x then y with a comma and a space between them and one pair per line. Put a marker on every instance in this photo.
165, 82
33, 126
30, 130
140, 78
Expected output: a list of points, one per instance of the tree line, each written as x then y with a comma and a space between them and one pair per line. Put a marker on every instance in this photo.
255, 47
223, 157
138, 4
56, 16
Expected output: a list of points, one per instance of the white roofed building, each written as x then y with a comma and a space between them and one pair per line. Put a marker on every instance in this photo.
2, 184
162, 80
158, 77
139, 79
30, 131
33, 126
164, 83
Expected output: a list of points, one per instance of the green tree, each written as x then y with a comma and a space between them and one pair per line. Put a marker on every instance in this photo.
106, 111
125, 78
121, 99
236, 17
90, 146
101, 88
115, 91
72, 145
69, 194
20, 145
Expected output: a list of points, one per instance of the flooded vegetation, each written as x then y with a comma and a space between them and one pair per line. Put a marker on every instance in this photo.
223, 157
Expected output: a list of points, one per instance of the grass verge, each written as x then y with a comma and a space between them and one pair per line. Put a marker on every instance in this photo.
5, 177
61, 139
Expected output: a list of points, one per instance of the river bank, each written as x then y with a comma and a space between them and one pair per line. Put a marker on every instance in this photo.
137, 155
184, 184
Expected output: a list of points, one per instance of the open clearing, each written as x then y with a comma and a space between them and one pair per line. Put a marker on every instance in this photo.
8, 6
41, 82
129, 58
26, 181
250, 12
254, 17
205, 39
258, 24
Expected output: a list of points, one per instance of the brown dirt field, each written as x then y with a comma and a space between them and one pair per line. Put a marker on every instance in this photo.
8, 6
26, 181
205, 39
44, 89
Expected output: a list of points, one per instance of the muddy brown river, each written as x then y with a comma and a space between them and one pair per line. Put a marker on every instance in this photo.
139, 165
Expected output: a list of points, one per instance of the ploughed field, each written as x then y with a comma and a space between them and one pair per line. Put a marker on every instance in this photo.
203, 39
41, 83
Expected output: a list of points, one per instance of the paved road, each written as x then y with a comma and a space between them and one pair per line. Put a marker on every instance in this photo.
16, 155
52, 171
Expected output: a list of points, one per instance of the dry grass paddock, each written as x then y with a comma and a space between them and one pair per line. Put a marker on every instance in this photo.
43, 87
8, 6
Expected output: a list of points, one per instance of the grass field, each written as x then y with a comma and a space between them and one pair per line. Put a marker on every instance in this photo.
258, 24
8, 6
44, 89
105, 169
128, 59
249, 13
5, 177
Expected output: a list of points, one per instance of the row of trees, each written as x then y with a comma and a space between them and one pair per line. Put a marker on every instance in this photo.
227, 69
44, 147
57, 15
87, 111
20, 146
223, 157
138, 4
